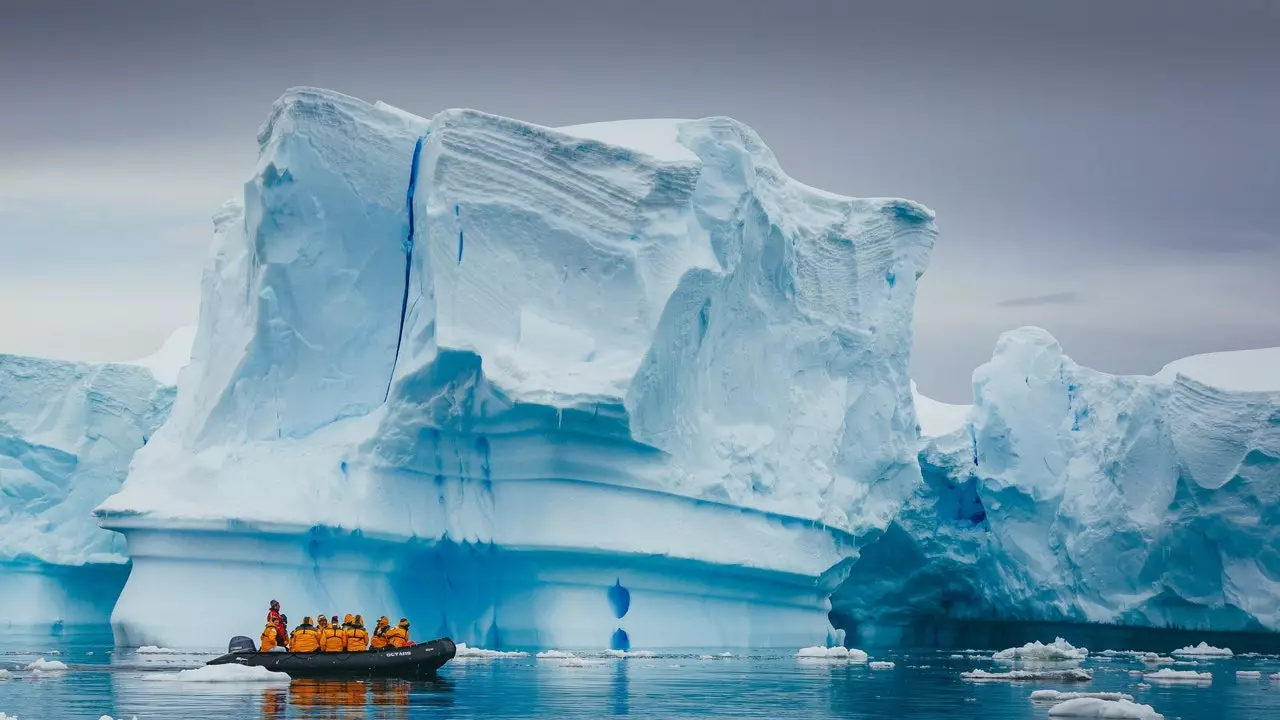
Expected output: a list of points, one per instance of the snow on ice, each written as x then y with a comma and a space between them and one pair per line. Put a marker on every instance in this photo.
1203, 650
1109, 709
1059, 695
1058, 650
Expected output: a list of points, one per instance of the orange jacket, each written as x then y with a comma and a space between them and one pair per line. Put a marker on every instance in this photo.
357, 639
333, 639
305, 639
397, 637
269, 637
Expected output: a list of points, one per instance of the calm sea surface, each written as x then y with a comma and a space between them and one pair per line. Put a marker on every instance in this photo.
924, 683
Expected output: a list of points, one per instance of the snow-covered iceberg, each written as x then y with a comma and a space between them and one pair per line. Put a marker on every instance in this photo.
613, 383
67, 433
1071, 494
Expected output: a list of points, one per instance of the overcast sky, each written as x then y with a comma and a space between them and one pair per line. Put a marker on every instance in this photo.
1106, 169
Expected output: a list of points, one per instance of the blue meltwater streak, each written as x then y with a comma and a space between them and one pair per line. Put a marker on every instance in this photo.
408, 257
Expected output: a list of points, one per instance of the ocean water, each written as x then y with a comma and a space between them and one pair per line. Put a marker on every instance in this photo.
925, 683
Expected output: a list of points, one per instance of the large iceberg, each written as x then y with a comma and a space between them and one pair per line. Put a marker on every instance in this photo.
67, 433
1069, 494
607, 385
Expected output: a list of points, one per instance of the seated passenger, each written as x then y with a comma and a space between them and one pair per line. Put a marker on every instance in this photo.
305, 637
398, 636
357, 636
269, 636
333, 638
322, 622
379, 639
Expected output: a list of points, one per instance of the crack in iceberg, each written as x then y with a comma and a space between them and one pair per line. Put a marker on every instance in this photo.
408, 256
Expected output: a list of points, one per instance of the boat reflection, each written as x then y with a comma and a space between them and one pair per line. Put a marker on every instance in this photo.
322, 699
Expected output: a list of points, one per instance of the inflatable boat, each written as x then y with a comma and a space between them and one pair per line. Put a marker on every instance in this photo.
412, 662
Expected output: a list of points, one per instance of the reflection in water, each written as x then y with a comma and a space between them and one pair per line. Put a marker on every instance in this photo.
325, 699
620, 689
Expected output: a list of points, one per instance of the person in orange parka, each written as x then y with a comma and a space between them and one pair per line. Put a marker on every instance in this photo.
305, 637
270, 637
398, 636
357, 636
379, 639
333, 638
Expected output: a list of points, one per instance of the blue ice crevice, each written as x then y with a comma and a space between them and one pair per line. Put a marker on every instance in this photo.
408, 256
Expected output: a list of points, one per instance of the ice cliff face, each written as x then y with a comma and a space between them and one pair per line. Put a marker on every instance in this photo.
602, 385
67, 433
1070, 494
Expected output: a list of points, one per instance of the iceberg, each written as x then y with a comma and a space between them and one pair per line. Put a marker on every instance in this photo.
68, 431
1067, 494
610, 384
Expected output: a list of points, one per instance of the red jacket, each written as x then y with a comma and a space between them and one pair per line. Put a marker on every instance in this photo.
282, 633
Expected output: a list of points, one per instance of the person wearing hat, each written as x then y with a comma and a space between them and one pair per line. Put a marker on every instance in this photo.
379, 639
333, 638
398, 636
357, 636
275, 618
305, 637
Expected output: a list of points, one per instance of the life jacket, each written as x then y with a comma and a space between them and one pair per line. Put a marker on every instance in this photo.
397, 637
269, 638
305, 639
379, 639
357, 639
333, 639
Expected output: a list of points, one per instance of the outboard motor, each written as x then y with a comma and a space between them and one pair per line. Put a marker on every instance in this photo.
241, 644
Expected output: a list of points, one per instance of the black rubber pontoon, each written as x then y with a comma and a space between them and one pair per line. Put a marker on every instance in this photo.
412, 662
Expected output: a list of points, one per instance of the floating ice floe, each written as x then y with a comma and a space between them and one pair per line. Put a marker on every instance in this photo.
4, 674
225, 674
1060, 696
1109, 709
1166, 675
1204, 650
881, 665
463, 651
630, 653
108, 717
1249, 674
47, 665
1069, 675
1057, 651
154, 650
836, 654
555, 655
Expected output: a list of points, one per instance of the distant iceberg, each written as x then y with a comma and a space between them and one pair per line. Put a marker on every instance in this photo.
68, 431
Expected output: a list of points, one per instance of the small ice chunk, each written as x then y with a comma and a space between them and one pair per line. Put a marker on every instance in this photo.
958, 657
1204, 650
629, 653
1056, 651
1071, 675
706, 657
1099, 708
463, 651
1249, 674
834, 653
555, 655
153, 650
881, 665
1060, 696
1168, 675
47, 665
